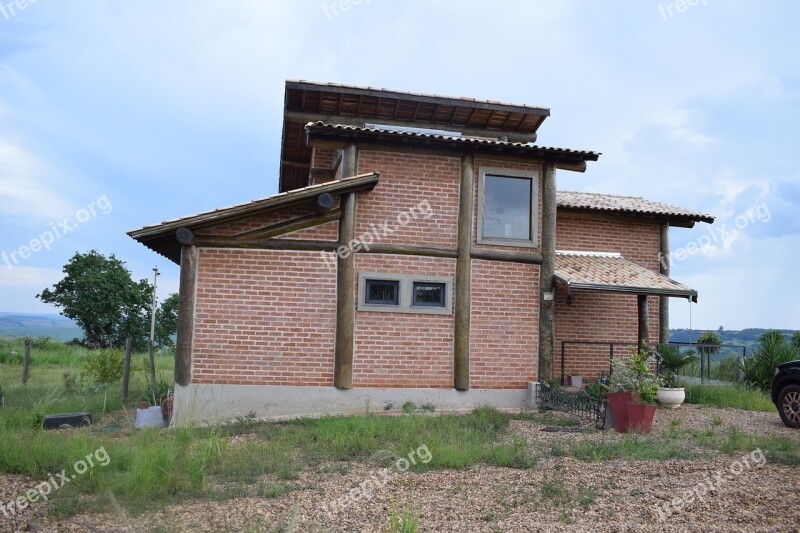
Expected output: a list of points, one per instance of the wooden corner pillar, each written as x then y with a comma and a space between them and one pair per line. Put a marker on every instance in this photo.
547, 335
186, 295
663, 301
644, 321
466, 208
345, 279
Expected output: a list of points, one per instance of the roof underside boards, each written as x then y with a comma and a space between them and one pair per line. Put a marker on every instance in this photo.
613, 273
310, 102
629, 205
565, 156
161, 237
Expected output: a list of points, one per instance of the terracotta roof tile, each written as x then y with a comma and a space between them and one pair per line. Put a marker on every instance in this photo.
613, 273
626, 204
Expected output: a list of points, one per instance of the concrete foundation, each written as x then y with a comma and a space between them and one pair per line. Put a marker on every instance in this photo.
220, 403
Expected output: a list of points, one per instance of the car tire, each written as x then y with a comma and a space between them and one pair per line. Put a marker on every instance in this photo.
789, 405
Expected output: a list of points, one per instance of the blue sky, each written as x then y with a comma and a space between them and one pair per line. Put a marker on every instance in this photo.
116, 115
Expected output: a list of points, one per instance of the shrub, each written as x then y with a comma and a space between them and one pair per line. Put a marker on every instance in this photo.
672, 361
772, 350
728, 369
104, 367
155, 393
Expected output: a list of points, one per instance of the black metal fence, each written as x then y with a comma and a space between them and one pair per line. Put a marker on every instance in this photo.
597, 355
576, 403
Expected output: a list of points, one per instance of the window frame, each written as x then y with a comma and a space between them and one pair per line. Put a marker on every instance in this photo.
405, 293
442, 302
385, 281
534, 177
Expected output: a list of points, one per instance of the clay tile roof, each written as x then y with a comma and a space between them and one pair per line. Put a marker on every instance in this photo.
627, 205
583, 155
609, 272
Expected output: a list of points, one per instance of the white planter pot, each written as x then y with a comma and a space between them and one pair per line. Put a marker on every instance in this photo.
576, 381
671, 397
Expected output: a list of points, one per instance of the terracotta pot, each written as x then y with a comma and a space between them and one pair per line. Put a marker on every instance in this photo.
618, 401
166, 408
640, 417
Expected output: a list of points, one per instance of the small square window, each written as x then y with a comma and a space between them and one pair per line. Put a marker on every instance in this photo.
428, 294
382, 292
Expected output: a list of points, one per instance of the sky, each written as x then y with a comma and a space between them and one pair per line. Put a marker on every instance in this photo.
115, 115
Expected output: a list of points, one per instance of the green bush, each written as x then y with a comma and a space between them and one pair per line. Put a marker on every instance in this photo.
771, 351
728, 369
104, 367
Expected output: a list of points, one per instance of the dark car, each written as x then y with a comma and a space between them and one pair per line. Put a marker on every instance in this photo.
786, 392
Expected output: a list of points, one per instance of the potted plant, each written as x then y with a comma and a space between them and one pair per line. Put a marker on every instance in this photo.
641, 412
671, 361
619, 392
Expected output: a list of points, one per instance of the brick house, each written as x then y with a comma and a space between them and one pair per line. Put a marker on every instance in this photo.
417, 251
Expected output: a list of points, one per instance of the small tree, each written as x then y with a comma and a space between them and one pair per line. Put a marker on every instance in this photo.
99, 294
167, 321
104, 368
796, 341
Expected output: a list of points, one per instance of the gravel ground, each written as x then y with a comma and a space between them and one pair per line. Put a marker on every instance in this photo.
558, 494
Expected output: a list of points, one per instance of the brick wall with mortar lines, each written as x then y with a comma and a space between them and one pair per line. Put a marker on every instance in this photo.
403, 349
406, 180
483, 162
264, 318
327, 231
598, 316
504, 325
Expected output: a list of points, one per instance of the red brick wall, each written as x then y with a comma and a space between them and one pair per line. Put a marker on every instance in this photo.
406, 181
597, 316
403, 349
264, 318
504, 325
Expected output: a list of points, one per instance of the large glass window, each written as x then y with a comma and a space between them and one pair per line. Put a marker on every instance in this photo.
508, 207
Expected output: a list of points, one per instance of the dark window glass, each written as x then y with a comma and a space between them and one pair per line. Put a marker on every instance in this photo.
507, 208
428, 294
382, 292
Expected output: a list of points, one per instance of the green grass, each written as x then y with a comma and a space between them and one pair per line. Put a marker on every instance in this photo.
735, 396
636, 447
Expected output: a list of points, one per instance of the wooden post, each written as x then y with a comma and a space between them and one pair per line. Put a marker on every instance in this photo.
663, 301
186, 291
463, 282
644, 322
26, 364
345, 279
126, 368
546, 273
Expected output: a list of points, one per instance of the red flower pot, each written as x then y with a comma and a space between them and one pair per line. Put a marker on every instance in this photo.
640, 417
618, 401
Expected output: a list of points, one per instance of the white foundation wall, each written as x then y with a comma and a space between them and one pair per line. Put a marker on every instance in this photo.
204, 403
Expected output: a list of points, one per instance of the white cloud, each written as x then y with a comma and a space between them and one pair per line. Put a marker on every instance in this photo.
25, 189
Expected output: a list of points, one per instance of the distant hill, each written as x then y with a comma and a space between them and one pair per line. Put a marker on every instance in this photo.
38, 325
744, 337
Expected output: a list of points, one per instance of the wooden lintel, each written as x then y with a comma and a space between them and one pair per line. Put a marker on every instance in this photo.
531, 258
288, 226
268, 244
405, 249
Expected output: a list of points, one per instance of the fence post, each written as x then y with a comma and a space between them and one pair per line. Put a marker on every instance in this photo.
26, 365
126, 368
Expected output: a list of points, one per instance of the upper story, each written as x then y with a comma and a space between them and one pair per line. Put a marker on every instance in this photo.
417, 146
